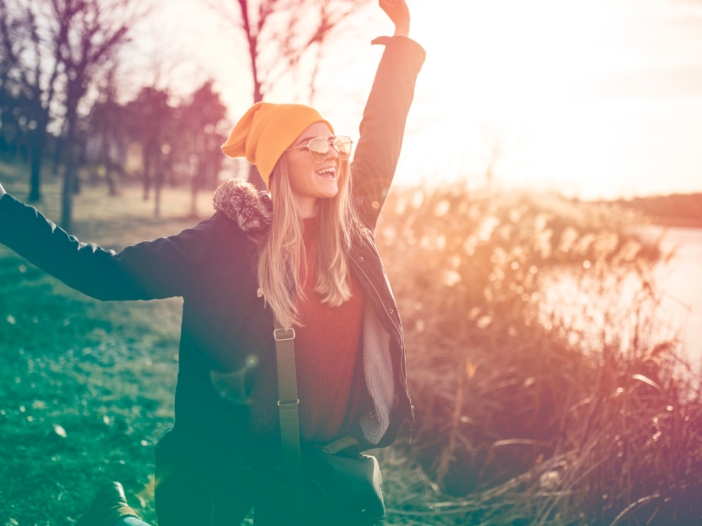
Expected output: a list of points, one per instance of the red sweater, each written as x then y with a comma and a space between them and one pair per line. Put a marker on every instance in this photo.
326, 357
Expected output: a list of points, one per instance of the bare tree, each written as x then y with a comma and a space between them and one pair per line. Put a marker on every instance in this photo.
150, 116
107, 122
199, 119
34, 68
86, 34
287, 30
156, 117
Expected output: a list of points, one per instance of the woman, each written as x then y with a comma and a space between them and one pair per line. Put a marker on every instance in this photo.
304, 253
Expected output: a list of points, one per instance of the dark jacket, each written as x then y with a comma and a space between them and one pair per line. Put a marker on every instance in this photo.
226, 330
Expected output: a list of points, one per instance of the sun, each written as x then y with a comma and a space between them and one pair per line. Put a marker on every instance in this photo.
511, 66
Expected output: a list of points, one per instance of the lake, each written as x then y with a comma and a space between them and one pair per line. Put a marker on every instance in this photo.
594, 309
681, 283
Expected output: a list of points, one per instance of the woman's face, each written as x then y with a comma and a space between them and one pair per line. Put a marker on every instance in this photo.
311, 180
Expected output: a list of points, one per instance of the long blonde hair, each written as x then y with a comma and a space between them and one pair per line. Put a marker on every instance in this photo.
282, 253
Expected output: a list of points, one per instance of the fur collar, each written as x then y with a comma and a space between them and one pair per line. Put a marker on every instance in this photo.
252, 210
242, 203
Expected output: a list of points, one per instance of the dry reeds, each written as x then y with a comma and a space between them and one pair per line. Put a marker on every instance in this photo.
545, 390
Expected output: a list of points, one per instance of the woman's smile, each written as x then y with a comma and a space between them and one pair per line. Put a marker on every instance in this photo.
328, 173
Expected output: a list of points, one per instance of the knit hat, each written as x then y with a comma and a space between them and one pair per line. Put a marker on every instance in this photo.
266, 130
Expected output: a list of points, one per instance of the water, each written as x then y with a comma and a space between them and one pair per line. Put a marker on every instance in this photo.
681, 282
678, 281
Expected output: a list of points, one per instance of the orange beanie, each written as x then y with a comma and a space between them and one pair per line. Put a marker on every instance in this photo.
266, 130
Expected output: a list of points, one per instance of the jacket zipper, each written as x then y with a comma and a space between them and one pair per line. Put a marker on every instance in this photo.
379, 296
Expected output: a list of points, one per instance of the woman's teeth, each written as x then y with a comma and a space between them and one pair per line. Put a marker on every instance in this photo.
327, 173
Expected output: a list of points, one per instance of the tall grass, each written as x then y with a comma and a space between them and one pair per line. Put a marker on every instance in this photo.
545, 390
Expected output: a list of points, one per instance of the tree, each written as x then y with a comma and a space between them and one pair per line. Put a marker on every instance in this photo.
286, 30
108, 122
87, 35
150, 116
31, 70
200, 139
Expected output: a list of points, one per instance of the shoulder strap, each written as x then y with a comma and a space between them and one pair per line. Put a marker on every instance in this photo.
287, 394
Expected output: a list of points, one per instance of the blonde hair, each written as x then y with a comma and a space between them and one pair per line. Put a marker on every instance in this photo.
282, 253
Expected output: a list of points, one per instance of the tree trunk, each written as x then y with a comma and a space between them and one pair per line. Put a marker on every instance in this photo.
158, 180
35, 180
79, 151
255, 177
69, 174
194, 190
58, 153
147, 172
112, 189
107, 163
67, 196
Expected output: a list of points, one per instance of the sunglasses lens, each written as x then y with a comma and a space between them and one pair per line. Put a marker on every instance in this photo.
319, 149
343, 146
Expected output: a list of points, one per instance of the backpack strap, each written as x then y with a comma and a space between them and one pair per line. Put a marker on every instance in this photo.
287, 393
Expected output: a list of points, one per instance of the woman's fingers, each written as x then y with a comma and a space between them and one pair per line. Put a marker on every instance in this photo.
399, 13
397, 10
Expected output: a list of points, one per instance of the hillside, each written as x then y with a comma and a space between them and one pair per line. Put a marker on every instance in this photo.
669, 210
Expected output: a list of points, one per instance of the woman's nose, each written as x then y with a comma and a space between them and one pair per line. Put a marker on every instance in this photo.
333, 153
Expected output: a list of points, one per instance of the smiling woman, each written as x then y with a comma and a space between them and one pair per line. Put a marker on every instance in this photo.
291, 342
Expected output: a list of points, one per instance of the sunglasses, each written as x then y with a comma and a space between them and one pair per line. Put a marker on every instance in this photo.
319, 147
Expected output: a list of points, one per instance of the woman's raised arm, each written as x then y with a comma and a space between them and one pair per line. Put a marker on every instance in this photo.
385, 115
150, 270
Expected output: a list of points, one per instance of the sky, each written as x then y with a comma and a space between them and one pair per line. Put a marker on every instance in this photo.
597, 99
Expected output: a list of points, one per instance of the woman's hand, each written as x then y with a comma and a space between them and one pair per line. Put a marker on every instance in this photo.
399, 13
2, 191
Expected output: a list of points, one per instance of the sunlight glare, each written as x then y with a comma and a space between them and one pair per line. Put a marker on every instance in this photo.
532, 75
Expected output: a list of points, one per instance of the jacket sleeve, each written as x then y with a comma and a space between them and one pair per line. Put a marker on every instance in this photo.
150, 270
383, 124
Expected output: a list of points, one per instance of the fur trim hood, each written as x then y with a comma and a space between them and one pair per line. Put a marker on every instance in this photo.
242, 203
250, 209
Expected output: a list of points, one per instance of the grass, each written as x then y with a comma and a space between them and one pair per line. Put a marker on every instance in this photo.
545, 391
86, 389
